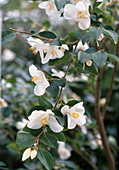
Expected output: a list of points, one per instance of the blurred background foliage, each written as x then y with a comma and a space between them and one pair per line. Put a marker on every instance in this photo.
17, 90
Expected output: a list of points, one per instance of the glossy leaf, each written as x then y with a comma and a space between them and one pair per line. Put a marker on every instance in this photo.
48, 34
49, 140
45, 158
45, 103
7, 36
25, 139
99, 58
113, 34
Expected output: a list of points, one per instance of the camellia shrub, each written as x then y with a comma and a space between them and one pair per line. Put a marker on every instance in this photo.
59, 85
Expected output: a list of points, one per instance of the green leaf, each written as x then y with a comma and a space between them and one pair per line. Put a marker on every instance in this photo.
49, 140
25, 139
99, 58
48, 34
61, 82
7, 36
60, 3
72, 102
96, 32
93, 17
45, 103
35, 108
7, 111
34, 132
65, 39
114, 57
53, 89
45, 158
87, 70
83, 57
113, 34
62, 60
59, 117
60, 136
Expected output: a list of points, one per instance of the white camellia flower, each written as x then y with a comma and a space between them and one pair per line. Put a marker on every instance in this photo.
74, 115
29, 153
41, 118
61, 74
37, 45
79, 13
51, 51
50, 8
39, 79
21, 124
63, 152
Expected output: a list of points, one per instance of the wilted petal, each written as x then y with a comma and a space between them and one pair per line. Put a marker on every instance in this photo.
26, 154
69, 11
33, 153
65, 109
84, 23
54, 125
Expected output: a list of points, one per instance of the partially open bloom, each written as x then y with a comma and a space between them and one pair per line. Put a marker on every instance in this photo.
64, 153
79, 13
61, 74
39, 79
42, 118
50, 8
75, 115
29, 152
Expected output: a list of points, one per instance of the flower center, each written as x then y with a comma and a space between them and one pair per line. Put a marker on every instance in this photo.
80, 14
54, 52
34, 50
50, 6
35, 78
75, 115
43, 121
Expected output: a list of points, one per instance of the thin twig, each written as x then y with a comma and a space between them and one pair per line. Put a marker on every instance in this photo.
86, 158
110, 90
108, 154
37, 36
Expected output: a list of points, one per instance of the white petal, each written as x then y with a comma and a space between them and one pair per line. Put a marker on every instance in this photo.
70, 11
45, 59
78, 108
34, 124
33, 70
33, 153
65, 109
60, 54
39, 89
65, 46
81, 6
43, 5
81, 120
71, 122
35, 114
84, 23
54, 125
26, 154
31, 41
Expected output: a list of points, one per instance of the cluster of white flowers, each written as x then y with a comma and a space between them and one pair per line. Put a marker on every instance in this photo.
46, 50
77, 10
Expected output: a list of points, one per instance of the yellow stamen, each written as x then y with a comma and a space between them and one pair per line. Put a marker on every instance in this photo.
34, 50
35, 78
51, 6
80, 14
75, 115
54, 53
43, 121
